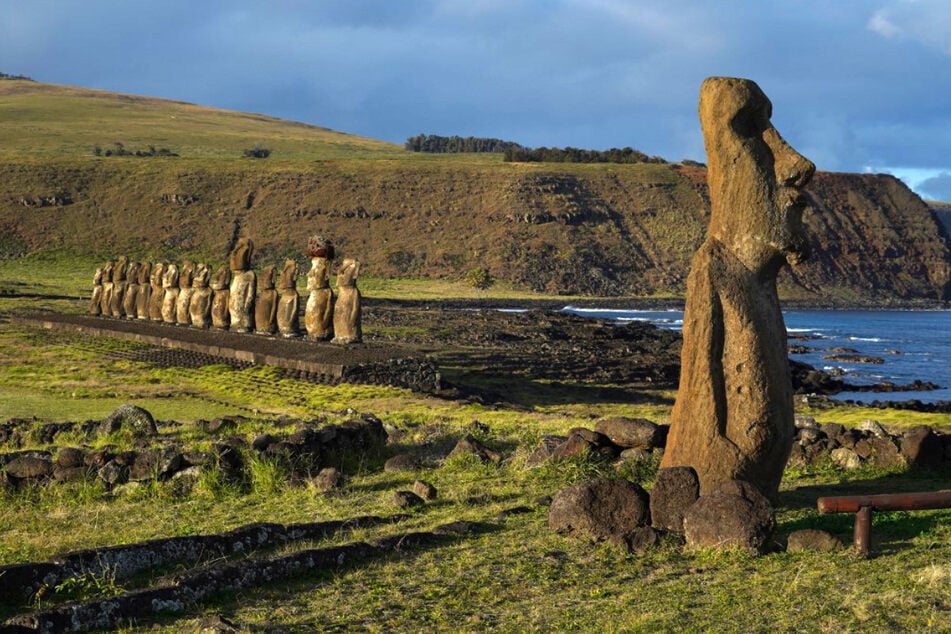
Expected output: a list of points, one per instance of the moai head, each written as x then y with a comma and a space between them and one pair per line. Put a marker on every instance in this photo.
320, 247
170, 276
186, 275
202, 275
158, 274
145, 273
755, 177
266, 278
240, 258
118, 272
97, 277
222, 278
349, 270
288, 275
107, 270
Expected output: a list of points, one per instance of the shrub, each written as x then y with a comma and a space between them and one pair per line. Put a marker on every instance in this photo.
257, 152
480, 278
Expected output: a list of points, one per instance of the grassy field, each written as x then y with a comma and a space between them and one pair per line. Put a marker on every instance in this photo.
513, 576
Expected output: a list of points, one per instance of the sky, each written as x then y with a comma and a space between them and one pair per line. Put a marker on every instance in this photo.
856, 85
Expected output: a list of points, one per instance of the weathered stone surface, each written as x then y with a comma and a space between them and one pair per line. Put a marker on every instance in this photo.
922, 448
675, 490
630, 432
319, 311
157, 294
424, 490
845, 458
241, 292
112, 473
160, 464
599, 508
265, 303
733, 417
170, 295
638, 541
328, 479
582, 442
131, 296
469, 445
885, 453
288, 303
105, 300
406, 499
118, 287
199, 309
544, 451
734, 516
874, 427
29, 467
347, 320
400, 463
131, 417
95, 300
810, 539
69, 457
144, 296
220, 296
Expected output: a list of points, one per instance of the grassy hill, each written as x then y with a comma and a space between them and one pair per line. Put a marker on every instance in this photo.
554, 228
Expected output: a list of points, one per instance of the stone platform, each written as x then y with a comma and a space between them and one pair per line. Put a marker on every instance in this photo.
317, 361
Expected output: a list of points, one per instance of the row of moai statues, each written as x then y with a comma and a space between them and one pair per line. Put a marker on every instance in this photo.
236, 298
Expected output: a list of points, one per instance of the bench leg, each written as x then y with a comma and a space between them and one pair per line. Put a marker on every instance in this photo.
863, 530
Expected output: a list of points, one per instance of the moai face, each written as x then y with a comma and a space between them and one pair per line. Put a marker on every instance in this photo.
202, 274
288, 275
170, 276
158, 274
222, 278
755, 177
349, 270
266, 279
186, 275
240, 258
145, 272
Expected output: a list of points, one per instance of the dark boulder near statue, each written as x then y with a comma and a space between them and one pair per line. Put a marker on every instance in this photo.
599, 509
736, 515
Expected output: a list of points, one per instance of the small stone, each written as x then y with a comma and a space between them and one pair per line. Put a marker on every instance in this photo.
131, 417
406, 499
424, 490
845, 458
922, 448
675, 490
832, 430
635, 453
328, 479
69, 457
736, 515
113, 473
885, 453
544, 451
874, 427
401, 463
69, 474
806, 422
599, 508
263, 441
630, 432
29, 467
814, 540
469, 445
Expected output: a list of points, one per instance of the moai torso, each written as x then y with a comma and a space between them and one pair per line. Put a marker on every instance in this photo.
170, 300
95, 307
347, 318
182, 303
318, 313
265, 303
199, 309
131, 291
243, 282
145, 291
118, 287
220, 292
105, 301
157, 295
288, 301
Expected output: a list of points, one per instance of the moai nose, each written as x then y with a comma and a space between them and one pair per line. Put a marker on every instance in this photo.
796, 172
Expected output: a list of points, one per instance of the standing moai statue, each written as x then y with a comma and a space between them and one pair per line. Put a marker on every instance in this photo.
288, 301
733, 416
185, 278
199, 309
319, 311
118, 286
170, 300
347, 326
145, 291
131, 290
220, 293
265, 304
105, 301
95, 302
241, 293
157, 295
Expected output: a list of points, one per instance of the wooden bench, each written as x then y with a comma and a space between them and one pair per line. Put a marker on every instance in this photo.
863, 505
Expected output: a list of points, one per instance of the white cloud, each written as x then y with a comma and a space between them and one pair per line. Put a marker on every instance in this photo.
927, 22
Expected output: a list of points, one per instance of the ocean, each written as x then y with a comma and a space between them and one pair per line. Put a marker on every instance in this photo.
914, 344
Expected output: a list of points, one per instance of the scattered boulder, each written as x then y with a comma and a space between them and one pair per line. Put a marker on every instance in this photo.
406, 499
814, 540
845, 458
112, 473
160, 464
469, 445
131, 417
638, 541
544, 451
69, 457
736, 515
599, 508
582, 442
675, 490
885, 453
631, 432
424, 490
875, 428
922, 448
401, 462
328, 479
28, 466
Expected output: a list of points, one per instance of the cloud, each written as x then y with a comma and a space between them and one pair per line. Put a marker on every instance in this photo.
937, 187
925, 21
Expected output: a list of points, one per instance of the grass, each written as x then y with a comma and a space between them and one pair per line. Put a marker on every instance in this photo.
515, 575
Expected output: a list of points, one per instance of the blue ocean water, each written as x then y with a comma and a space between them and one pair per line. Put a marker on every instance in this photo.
915, 344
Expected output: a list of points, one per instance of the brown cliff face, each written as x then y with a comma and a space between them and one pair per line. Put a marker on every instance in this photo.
578, 229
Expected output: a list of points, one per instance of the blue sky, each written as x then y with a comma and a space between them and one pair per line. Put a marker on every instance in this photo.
856, 85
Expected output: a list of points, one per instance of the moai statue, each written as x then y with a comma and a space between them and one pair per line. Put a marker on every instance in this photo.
265, 304
185, 278
105, 302
95, 307
733, 417
288, 302
199, 309
347, 327
145, 291
319, 311
241, 293
131, 290
220, 315
118, 286
170, 300
157, 295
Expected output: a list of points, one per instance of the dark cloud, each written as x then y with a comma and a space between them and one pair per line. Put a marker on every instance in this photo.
853, 84
937, 187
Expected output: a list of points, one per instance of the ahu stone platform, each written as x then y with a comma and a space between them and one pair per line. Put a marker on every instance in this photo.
316, 361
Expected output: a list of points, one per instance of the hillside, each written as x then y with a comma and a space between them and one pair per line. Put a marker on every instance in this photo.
559, 228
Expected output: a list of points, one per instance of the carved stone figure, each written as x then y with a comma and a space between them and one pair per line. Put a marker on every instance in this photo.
199, 309
185, 278
170, 300
145, 291
118, 287
220, 293
131, 290
347, 326
265, 304
733, 417
105, 301
157, 295
96, 299
318, 313
288, 302
241, 296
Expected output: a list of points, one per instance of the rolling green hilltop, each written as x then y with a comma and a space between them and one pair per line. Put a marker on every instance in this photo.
596, 229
